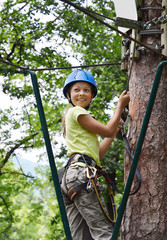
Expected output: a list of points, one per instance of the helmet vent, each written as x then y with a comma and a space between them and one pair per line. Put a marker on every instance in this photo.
78, 71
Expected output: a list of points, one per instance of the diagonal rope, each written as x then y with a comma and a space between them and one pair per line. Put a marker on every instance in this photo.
112, 28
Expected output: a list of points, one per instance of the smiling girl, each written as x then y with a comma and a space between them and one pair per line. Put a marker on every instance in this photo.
81, 131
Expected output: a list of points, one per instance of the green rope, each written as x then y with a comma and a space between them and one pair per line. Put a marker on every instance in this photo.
50, 153
138, 149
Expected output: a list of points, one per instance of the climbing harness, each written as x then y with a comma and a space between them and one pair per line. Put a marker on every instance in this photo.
90, 172
92, 184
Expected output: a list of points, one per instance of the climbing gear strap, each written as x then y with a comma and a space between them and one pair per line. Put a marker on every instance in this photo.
77, 157
109, 181
130, 155
137, 170
131, 158
81, 158
73, 191
111, 194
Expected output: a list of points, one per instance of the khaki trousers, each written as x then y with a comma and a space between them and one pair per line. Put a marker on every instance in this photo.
86, 220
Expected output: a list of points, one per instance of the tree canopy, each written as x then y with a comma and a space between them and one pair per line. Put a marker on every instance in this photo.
49, 34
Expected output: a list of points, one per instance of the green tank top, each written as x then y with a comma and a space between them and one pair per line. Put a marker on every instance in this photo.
78, 139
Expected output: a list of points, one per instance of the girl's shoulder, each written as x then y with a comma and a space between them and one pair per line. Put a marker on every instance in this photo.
78, 109
74, 112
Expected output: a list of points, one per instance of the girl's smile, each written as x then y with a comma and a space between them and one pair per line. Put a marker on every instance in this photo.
81, 94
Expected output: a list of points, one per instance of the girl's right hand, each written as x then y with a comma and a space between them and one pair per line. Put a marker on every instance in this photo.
124, 99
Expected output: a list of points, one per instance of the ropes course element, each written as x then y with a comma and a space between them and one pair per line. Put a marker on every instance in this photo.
85, 11
155, 21
135, 159
90, 13
49, 152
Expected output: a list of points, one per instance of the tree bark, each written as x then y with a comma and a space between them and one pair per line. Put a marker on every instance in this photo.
145, 214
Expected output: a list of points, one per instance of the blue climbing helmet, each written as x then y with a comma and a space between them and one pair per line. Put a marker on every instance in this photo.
82, 76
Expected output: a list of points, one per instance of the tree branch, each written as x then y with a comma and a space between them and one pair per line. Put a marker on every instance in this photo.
24, 6
19, 144
6, 171
12, 51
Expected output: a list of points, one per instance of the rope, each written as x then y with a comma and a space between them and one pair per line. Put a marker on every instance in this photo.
151, 8
101, 15
56, 68
101, 205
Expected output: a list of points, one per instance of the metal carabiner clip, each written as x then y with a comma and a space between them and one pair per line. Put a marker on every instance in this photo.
91, 172
89, 186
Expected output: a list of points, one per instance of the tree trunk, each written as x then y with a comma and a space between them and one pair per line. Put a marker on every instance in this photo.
145, 216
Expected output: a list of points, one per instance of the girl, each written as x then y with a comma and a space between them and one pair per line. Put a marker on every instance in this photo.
86, 219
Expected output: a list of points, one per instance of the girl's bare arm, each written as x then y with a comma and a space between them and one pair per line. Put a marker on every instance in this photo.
109, 129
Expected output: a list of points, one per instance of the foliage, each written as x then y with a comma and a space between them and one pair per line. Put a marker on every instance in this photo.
47, 34
28, 206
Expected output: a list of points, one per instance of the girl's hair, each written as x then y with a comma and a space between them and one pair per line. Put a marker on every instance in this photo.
63, 118
63, 121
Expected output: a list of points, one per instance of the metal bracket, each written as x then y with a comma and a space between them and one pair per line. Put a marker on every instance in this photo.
151, 31
156, 47
128, 23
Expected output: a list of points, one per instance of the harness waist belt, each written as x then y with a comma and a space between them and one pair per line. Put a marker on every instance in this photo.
81, 158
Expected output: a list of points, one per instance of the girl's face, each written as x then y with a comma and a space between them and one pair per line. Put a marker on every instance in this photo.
81, 94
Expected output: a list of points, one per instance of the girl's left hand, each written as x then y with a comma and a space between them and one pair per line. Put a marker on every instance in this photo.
121, 122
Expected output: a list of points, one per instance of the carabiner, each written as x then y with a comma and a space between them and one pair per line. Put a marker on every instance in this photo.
91, 172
